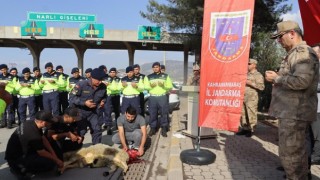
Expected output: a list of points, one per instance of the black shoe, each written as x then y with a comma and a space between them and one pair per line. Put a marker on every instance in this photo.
109, 131
242, 132
280, 168
9, 126
249, 134
164, 132
152, 132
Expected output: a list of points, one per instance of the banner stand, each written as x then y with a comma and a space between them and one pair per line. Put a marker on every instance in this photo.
193, 111
197, 156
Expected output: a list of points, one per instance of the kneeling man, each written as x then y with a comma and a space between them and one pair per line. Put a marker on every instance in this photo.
132, 127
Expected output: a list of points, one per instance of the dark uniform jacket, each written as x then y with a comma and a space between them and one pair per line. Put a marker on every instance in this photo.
84, 91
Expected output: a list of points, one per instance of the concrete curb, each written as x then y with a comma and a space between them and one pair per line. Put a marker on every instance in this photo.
175, 169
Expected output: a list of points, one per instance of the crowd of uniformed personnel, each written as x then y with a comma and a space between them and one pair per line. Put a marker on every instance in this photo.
97, 95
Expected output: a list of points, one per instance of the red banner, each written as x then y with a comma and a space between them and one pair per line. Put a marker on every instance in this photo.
224, 62
310, 14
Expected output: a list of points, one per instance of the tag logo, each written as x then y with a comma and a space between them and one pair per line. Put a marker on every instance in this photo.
229, 35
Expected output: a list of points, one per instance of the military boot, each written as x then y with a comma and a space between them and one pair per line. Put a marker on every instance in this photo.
152, 131
164, 131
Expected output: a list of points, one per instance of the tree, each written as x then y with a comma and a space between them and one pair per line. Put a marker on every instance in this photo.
186, 16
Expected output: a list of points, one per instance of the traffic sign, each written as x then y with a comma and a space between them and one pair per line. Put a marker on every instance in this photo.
91, 30
149, 33
43, 16
33, 28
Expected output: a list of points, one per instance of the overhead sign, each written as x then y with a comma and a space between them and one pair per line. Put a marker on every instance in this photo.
91, 30
42, 16
33, 28
149, 33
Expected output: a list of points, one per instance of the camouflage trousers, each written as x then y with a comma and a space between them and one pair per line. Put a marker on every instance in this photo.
293, 148
249, 115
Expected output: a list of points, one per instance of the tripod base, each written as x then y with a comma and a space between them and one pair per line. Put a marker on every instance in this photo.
197, 157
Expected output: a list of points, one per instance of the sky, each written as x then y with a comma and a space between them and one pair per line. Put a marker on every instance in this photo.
114, 14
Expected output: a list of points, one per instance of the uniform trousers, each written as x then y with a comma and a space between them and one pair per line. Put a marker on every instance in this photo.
293, 148
51, 102
23, 104
90, 119
158, 104
112, 105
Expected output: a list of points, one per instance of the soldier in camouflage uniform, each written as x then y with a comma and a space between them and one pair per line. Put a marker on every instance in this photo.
294, 98
255, 83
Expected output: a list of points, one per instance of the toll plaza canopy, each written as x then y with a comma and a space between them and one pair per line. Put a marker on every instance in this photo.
10, 36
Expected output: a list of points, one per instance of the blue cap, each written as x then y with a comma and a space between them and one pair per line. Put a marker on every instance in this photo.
59, 67
3, 66
113, 69
98, 74
156, 64
49, 64
162, 67
36, 69
129, 68
25, 70
136, 66
74, 70
88, 70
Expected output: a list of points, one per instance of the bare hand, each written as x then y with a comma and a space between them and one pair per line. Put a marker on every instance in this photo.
72, 137
153, 85
90, 104
249, 83
80, 139
125, 148
270, 76
134, 85
51, 81
124, 84
42, 81
141, 151
161, 84
59, 163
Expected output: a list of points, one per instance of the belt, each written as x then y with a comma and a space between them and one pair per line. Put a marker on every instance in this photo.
157, 94
111, 95
25, 96
49, 91
130, 96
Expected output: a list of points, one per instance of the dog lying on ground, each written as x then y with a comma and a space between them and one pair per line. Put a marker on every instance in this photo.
99, 155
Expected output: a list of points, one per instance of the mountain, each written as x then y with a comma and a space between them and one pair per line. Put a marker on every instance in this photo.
173, 68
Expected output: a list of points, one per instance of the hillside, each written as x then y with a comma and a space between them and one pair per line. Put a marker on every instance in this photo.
173, 68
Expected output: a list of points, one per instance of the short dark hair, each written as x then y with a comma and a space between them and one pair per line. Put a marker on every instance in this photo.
71, 111
44, 115
131, 110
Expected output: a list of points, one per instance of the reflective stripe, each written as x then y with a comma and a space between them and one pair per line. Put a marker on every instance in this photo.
25, 96
49, 91
157, 94
131, 96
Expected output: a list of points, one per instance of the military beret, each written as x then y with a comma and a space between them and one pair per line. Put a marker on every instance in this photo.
49, 64
113, 69
59, 67
155, 64
74, 70
98, 74
3, 66
26, 70
36, 69
129, 68
88, 70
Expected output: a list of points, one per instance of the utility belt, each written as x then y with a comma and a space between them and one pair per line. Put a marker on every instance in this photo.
49, 91
112, 95
157, 94
130, 96
20, 96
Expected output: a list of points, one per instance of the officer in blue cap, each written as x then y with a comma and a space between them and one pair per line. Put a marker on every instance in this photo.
89, 96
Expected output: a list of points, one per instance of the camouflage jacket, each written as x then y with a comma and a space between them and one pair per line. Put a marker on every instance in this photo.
251, 92
294, 94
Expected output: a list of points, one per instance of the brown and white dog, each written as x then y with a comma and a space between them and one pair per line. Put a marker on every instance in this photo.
99, 155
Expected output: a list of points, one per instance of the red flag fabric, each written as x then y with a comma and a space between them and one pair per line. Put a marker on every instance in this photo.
310, 14
226, 39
